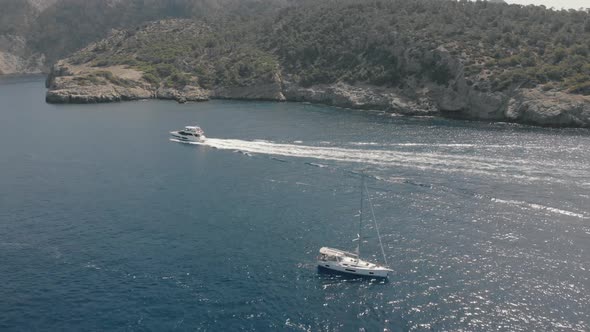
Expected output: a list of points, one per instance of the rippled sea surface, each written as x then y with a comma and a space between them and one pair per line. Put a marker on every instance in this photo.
106, 224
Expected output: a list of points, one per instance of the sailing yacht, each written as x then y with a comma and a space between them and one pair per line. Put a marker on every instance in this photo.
351, 263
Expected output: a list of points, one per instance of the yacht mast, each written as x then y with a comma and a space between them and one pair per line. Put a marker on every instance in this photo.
358, 247
376, 226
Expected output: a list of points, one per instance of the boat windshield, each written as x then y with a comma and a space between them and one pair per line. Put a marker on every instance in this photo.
194, 129
329, 258
351, 255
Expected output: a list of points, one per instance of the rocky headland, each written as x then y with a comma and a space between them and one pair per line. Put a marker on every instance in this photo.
84, 83
187, 60
527, 106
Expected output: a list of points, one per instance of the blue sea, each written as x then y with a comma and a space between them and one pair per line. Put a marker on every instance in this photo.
107, 225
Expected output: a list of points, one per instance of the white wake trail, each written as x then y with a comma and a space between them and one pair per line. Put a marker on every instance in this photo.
540, 207
465, 146
511, 168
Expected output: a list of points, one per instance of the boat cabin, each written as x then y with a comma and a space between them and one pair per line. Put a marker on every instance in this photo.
191, 131
335, 255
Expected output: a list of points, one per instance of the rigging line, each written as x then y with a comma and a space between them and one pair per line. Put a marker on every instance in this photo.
358, 248
376, 226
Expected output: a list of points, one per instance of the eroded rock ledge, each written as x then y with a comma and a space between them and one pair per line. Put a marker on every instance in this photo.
79, 84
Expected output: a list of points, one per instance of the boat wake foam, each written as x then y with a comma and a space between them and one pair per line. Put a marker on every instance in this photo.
439, 161
540, 207
465, 146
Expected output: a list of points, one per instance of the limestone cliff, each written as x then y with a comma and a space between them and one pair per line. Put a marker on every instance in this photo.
78, 84
16, 17
549, 108
15, 58
69, 83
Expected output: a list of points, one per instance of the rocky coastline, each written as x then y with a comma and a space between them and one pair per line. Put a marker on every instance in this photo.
67, 83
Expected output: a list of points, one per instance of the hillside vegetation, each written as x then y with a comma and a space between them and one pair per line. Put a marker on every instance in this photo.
465, 59
36, 33
16, 16
390, 43
381, 42
499, 45
176, 53
69, 25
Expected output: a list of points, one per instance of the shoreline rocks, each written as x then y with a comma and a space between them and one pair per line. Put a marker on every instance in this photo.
68, 84
358, 97
555, 109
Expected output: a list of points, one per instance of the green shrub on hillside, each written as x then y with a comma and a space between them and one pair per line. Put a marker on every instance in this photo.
182, 52
378, 41
391, 43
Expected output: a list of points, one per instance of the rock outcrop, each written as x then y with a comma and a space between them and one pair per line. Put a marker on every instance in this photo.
16, 59
455, 99
359, 97
527, 106
262, 90
78, 84
68, 83
557, 109
187, 93
96, 94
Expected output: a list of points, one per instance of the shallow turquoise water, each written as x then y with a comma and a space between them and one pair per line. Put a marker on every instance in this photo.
105, 224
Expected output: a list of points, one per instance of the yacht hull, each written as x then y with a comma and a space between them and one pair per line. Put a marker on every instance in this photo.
346, 262
182, 138
354, 270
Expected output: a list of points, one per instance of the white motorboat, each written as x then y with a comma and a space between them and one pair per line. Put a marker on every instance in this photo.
350, 263
189, 134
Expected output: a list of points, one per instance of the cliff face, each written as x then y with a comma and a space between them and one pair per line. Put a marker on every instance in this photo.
42, 4
527, 106
79, 84
16, 17
264, 90
549, 108
68, 83
15, 58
